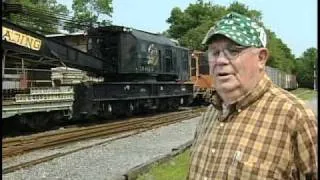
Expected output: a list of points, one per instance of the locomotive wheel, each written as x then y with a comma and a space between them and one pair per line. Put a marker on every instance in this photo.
106, 112
130, 109
55, 118
38, 121
119, 109
163, 106
173, 104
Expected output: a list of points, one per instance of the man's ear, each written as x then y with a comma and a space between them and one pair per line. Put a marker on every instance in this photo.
263, 58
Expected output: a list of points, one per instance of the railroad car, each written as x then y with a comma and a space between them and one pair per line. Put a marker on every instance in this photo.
201, 77
122, 71
282, 79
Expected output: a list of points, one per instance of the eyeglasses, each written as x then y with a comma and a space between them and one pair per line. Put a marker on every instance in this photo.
231, 52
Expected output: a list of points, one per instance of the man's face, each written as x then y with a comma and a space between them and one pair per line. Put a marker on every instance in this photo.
234, 68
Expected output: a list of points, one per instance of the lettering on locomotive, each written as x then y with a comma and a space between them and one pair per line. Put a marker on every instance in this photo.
153, 55
21, 39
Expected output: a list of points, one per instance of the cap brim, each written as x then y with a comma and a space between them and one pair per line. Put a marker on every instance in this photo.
209, 36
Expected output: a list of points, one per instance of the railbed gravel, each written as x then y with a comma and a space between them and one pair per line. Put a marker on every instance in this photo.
107, 161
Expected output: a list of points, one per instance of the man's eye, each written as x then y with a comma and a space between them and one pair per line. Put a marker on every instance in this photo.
234, 51
215, 54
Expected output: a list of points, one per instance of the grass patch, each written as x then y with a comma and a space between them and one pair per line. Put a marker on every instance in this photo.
308, 95
174, 169
304, 93
299, 90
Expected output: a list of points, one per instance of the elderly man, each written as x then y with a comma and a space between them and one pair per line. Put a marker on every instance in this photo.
252, 129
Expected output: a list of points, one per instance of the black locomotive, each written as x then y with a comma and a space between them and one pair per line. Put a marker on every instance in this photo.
141, 71
148, 72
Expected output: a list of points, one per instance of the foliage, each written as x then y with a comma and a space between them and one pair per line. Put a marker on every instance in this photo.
305, 67
193, 22
192, 39
40, 15
280, 55
87, 13
190, 26
243, 9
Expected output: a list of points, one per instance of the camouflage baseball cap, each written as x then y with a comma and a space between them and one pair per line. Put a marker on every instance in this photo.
240, 29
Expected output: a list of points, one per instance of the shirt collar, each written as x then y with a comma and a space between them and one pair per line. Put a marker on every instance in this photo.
247, 99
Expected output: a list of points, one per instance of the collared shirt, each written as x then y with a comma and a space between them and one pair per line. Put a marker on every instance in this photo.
267, 134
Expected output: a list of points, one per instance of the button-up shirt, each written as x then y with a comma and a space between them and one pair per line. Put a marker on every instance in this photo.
267, 134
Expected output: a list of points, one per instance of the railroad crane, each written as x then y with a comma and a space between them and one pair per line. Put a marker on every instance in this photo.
122, 72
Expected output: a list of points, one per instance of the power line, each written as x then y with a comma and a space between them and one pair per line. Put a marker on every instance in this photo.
59, 16
50, 17
63, 19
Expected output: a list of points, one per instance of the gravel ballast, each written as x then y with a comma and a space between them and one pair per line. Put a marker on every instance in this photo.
109, 160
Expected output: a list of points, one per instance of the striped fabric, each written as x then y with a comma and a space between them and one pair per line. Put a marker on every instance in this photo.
268, 134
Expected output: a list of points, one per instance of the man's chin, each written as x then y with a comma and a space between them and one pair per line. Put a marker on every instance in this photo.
227, 87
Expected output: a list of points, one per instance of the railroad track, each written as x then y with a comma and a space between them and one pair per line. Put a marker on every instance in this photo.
19, 145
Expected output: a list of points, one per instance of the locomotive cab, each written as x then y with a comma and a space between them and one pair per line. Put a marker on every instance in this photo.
137, 54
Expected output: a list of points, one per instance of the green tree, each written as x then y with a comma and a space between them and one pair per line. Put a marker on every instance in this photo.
165, 33
193, 38
190, 26
42, 16
243, 9
87, 13
305, 67
280, 55
195, 15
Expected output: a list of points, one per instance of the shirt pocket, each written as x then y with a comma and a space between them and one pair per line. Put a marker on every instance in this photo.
248, 170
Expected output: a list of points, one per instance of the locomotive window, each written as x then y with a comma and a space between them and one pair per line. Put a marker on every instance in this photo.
203, 60
168, 60
185, 59
160, 58
174, 58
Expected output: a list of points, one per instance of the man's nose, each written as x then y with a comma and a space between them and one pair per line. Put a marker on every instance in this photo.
221, 59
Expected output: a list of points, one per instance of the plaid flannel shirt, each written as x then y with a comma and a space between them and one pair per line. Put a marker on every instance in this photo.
267, 134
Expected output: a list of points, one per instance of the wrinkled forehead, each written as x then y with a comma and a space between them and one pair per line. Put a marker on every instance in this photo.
221, 41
